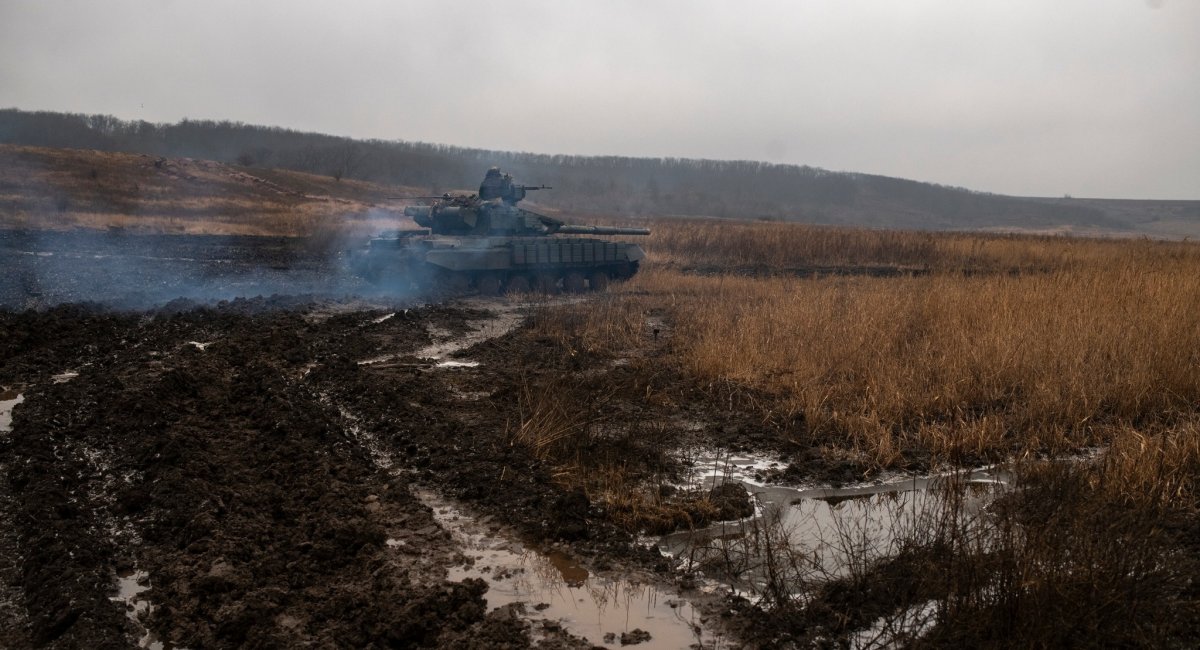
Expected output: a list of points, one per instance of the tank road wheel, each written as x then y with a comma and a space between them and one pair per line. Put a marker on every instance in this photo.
518, 284
488, 284
598, 280
545, 283
370, 273
573, 282
450, 282
627, 270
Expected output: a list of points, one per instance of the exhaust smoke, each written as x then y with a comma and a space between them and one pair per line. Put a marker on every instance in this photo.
121, 270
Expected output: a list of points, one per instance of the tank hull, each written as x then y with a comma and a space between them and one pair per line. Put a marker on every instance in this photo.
494, 264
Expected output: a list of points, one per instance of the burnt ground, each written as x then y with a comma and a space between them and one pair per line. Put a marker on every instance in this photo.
238, 459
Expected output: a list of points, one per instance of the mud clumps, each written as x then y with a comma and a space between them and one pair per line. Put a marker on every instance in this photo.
262, 480
569, 516
731, 501
228, 478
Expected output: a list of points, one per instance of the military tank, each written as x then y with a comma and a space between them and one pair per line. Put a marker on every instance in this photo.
487, 243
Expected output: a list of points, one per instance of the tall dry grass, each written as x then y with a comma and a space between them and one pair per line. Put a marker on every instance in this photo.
960, 363
1049, 344
1000, 347
717, 245
62, 189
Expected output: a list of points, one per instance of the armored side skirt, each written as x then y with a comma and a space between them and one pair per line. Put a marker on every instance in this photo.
553, 252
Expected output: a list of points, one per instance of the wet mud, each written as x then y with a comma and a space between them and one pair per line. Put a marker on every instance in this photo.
253, 480
348, 471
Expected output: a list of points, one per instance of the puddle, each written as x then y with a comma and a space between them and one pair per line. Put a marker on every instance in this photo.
555, 588
379, 320
130, 585
503, 320
64, 377
897, 630
712, 467
8, 399
199, 345
457, 364
834, 530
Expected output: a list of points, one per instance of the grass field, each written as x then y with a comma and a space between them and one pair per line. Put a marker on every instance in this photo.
61, 189
982, 346
916, 350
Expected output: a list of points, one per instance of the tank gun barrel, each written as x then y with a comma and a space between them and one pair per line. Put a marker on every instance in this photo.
568, 229
416, 198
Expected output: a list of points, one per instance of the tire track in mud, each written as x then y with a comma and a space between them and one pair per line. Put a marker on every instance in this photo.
14, 620
258, 520
239, 459
452, 438
65, 553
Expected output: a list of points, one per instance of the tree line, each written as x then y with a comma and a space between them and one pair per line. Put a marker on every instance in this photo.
591, 184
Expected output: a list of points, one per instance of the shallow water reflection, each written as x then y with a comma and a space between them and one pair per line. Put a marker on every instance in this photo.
828, 532
8, 400
554, 587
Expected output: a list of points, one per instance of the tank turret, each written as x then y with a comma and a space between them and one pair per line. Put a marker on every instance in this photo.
487, 242
475, 215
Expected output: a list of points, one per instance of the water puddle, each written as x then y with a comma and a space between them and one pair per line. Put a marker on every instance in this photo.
450, 363
504, 319
200, 345
8, 400
559, 591
834, 530
887, 632
130, 586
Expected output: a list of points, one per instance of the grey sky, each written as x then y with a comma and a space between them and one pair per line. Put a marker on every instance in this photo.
1029, 97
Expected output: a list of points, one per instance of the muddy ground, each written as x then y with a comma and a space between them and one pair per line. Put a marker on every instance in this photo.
202, 472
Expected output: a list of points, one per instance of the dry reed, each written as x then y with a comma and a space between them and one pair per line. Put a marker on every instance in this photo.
1093, 337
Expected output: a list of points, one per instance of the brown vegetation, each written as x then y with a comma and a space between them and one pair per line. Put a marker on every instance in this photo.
613, 184
905, 349
1000, 344
66, 188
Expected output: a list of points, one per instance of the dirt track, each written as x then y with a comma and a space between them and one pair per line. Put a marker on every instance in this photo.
253, 467
245, 473
243, 461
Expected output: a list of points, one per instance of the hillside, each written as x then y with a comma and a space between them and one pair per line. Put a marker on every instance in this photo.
356, 170
68, 188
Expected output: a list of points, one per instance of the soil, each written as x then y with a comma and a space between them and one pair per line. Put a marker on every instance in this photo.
253, 461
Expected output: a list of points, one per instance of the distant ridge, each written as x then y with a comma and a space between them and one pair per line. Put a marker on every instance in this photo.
614, 185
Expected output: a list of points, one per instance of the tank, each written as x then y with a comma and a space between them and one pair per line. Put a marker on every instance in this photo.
487, 243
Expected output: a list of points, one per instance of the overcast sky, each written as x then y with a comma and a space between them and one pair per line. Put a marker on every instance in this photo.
1028, 97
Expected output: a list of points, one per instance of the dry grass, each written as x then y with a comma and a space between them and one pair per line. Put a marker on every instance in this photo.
961, 364
67, 188
1084, 554
1091, 339
999, 347
726, 246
